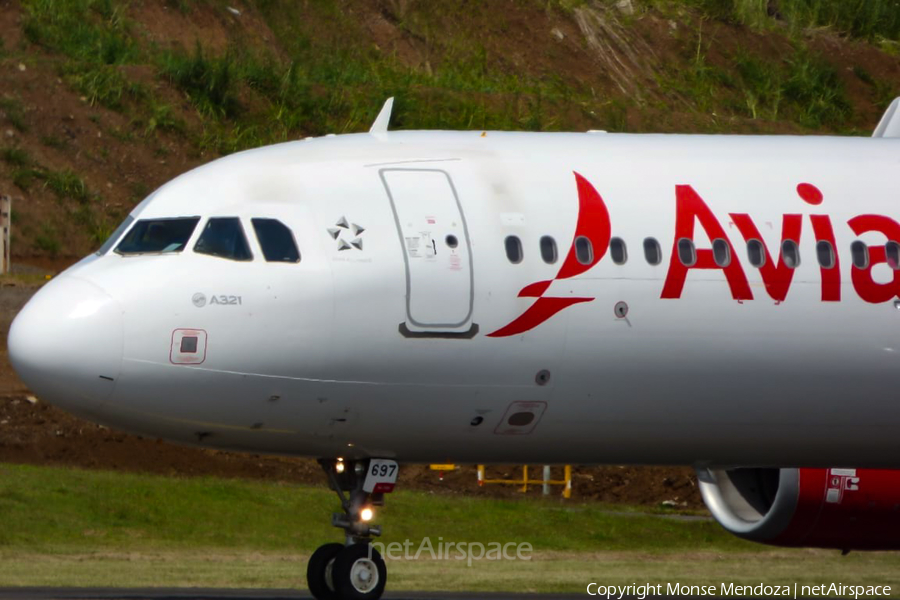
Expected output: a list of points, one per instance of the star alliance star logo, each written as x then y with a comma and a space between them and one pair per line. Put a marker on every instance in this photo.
344, 229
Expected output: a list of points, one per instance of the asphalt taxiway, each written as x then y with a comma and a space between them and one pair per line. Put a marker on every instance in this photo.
50, 593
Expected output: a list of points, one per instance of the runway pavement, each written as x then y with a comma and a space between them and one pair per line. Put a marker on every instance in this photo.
47, 593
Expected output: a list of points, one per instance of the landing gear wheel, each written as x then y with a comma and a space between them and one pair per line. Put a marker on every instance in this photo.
359, 573
319, 571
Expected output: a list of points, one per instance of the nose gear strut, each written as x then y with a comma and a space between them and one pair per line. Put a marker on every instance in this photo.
354, 570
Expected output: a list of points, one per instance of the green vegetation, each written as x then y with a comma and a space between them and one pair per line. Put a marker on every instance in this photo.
209, 83
281, 71
87, 31
66, 184
804, 88
15, 157
64, 510
69, 527
48, 241
15, 113
860, 18
102, 84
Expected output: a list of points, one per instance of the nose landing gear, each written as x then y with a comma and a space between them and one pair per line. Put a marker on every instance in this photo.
353, 570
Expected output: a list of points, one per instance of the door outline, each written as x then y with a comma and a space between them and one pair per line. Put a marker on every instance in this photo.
465, 227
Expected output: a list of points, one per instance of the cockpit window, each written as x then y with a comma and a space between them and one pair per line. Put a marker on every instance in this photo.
112, 239
224, 237
276, 240
158, 236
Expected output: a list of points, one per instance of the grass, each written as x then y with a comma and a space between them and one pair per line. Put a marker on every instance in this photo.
81, 528
15, 157
105, 85
88, 31
801, 87
547, 572
67, 184
869, 19
54, 510
208, 82
47, 240
15, 113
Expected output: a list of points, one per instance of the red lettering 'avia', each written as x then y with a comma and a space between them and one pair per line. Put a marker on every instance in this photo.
689, 206
593, 224
776, 277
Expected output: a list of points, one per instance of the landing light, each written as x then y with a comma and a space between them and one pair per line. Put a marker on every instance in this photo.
339, 466
366, 514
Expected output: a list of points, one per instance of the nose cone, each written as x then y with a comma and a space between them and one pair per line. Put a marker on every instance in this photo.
66, 344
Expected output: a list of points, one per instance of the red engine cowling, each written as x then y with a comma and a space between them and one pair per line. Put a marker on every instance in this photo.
848, 509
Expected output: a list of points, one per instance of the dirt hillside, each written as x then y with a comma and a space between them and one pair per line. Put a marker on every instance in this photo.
102, 101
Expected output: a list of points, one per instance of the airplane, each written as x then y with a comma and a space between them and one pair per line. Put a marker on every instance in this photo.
731, 303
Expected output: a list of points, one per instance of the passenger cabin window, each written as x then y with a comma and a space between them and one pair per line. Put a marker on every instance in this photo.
790, 254
756, 253
618, 251
860, 254
892, 254
652, 251
548, 250
276, 240
513, 249
686, 252
224, 237
158, 236
825, 254
112, 239
584, 250
721, 252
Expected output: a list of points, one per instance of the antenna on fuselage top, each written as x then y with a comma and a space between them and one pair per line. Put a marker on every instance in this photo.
889, 127
384, 118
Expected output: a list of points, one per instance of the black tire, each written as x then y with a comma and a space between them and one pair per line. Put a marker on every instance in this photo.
319, 568
359, 573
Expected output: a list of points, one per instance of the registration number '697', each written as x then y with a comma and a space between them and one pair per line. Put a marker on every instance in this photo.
381, 477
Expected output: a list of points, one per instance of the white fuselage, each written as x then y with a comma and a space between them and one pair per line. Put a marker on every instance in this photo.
378, 341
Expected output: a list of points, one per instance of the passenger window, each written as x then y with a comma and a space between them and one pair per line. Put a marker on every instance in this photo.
276, 240
686, 252
721, 252
617, 251
892, 254
756, 253
860, 253
513, 249
224, 237
652, 251
584, 250
548, 250
158, 236
825, 254
790, 254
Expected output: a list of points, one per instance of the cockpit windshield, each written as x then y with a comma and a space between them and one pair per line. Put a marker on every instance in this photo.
112, 239
224, 237
276, 240
158, 236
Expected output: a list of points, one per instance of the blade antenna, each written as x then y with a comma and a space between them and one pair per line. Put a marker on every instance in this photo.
889, 127
384, 118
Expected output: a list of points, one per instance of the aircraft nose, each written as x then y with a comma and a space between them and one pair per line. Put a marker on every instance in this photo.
66, 344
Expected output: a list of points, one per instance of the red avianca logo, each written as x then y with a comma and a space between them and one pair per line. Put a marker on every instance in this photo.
691, 210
